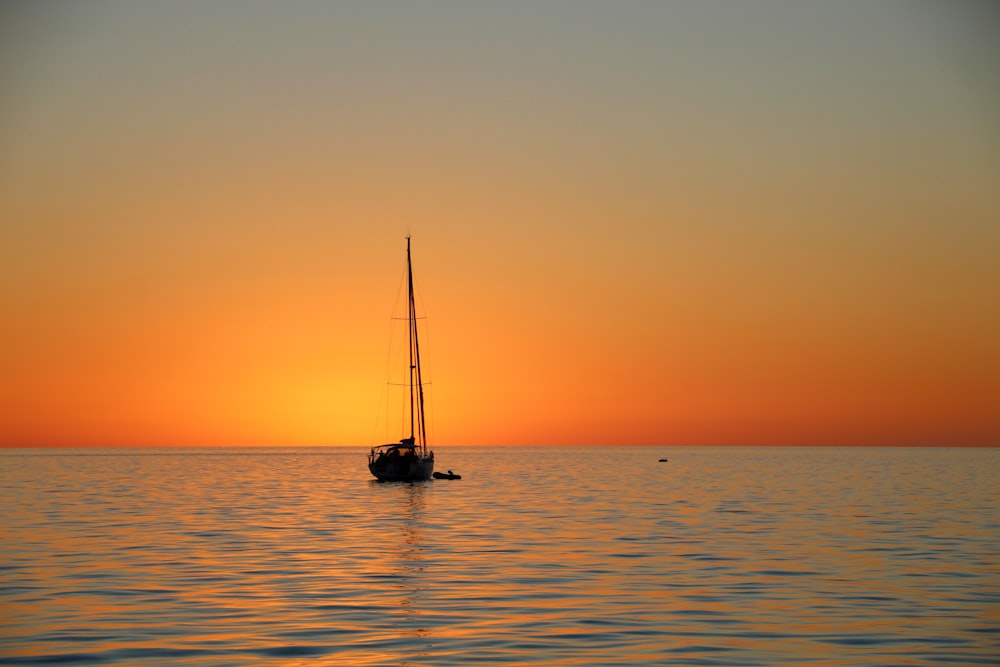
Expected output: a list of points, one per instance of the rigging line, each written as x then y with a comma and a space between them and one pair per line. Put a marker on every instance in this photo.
383, 403
425, 331
399, 296
428, 346
415, 358
430, 411
386, 404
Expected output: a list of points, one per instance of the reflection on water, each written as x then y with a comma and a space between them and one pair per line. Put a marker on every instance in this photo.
593, 556
403, 564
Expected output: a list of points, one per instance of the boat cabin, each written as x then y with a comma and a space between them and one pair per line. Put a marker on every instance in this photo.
400, 461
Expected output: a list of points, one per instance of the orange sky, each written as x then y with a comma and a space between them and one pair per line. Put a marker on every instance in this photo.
662, 223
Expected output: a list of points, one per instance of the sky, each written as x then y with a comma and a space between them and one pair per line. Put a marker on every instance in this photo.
662, 223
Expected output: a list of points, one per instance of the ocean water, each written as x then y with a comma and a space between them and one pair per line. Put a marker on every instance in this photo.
538, 556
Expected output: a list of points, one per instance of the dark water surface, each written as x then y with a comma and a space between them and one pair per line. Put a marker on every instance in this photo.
541, 556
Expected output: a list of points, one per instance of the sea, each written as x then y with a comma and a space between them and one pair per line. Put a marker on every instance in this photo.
537, 556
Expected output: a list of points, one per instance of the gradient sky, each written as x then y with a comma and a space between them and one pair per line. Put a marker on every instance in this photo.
633, 222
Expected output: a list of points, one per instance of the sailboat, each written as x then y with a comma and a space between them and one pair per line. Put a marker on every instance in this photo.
409, 459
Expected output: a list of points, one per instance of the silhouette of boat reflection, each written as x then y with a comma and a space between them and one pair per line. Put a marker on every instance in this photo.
402, 574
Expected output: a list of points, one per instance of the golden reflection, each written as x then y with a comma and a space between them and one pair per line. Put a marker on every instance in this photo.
402, 562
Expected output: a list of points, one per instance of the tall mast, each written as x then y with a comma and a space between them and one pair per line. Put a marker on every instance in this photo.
409, 322
417, 426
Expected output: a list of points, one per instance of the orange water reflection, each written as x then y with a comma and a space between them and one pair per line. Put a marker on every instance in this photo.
538, 556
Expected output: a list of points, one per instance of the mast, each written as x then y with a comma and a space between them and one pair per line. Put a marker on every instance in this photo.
409, 323
417, 426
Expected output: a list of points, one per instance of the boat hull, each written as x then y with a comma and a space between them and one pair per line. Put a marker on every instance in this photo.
412, 468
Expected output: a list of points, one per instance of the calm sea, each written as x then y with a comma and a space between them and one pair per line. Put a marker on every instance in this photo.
541, 556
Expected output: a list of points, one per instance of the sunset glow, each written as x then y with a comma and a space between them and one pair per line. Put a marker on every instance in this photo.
665, 223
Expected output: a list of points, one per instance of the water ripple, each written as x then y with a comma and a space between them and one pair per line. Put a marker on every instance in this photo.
766, 556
